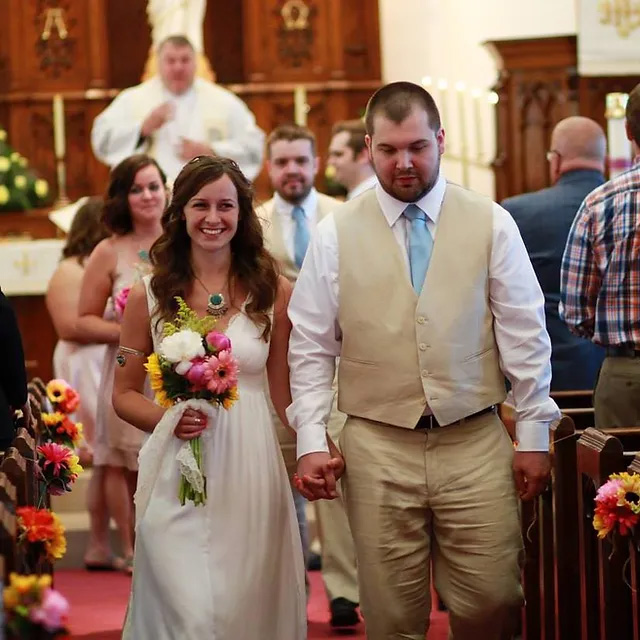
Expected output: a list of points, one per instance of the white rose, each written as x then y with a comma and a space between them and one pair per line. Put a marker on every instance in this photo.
181, 348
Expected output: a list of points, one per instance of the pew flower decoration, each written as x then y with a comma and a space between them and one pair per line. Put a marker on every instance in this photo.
193, 362
62, 396
120, 301
41, 531
33, 609
59, 428
59, 467
617, 505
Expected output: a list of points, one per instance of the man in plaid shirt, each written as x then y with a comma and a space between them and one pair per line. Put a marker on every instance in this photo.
600, 284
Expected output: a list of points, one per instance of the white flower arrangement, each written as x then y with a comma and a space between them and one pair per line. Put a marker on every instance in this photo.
181, 348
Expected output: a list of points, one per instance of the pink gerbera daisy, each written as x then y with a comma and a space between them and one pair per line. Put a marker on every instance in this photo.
56, 455
224, 372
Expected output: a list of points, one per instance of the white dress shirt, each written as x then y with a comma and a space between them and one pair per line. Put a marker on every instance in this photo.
516, 302
284, 211
365, 185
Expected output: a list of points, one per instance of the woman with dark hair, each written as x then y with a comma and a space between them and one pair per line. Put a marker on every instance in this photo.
80, 364
136, 198
232, 568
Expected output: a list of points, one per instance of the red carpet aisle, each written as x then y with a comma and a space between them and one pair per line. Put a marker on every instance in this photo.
98, 602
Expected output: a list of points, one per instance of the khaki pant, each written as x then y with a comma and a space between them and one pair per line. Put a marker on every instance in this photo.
616, 399
338, 552
442, 497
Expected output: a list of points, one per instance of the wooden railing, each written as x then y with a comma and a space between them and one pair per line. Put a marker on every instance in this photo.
579, 587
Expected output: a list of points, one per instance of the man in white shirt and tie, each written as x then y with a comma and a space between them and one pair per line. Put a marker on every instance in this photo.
175, 116
289, 221
426, 293
349, 158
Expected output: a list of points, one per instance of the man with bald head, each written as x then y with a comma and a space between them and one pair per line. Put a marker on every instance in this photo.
576, 165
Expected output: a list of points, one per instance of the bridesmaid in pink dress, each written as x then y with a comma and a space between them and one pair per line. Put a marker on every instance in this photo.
136, 198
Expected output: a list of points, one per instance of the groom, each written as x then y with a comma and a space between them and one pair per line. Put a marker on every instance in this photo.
426, 292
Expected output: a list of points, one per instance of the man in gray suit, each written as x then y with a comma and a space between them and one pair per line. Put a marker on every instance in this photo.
576, 165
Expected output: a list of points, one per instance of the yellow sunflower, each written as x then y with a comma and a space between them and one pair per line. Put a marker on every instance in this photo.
155, 373
52, 419
231, 398
57, 546
56, 390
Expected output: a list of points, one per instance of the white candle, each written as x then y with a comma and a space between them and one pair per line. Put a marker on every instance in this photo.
620, 153
477, 122
443, 85
300, 106
58, 126
462, 120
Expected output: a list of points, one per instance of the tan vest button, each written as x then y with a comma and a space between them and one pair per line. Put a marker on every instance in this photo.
423, 346
424, 373
421, 319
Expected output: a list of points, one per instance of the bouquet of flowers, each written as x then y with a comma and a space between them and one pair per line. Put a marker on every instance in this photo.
42, 531
120, 301
59, 467
33, 609
193, 362
617, 505
59, 428
62, 396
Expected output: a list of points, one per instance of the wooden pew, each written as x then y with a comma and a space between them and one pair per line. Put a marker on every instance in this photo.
578, 405
605, 598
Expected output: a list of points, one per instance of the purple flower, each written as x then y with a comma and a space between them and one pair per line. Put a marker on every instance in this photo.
217, 341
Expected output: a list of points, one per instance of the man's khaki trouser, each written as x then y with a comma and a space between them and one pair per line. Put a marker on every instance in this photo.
616, 399
338, 554
447, 496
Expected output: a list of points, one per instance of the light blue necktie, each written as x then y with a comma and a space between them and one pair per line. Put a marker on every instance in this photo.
420, 245
301, 235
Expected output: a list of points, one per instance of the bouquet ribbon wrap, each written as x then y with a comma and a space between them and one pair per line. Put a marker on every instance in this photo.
155, 449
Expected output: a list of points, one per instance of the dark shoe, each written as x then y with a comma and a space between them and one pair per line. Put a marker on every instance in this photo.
344, 613
314, 561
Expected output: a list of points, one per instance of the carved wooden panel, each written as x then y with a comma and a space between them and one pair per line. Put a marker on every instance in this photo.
592, 93
536, 88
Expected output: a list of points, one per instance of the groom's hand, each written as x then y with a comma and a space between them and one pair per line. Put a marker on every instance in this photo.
316, 477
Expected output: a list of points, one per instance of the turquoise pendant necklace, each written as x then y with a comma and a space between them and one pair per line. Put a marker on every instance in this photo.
216, 304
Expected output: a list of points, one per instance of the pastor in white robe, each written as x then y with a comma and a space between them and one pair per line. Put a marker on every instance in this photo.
205, 113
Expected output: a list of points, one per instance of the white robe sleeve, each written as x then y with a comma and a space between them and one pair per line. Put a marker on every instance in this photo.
245, 140
115, 134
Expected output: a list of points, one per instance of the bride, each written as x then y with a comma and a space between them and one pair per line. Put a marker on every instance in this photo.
231, 569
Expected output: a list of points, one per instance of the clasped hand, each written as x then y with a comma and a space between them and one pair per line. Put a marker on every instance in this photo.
318, 474
191, 425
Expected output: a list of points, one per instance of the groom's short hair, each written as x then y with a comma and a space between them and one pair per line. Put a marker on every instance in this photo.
176, 41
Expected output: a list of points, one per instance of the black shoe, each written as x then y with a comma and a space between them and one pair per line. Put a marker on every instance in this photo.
344, 613
314, 561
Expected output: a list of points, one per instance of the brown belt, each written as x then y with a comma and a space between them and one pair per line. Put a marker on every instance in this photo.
430, 422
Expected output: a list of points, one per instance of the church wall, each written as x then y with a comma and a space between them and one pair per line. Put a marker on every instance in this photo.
441, 40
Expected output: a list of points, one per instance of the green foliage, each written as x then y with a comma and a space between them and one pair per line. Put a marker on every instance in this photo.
186, 318
20, 187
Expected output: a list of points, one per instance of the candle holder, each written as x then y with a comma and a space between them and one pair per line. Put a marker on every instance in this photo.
61, 175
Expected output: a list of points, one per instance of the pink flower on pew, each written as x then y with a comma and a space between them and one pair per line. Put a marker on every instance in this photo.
617, 505
56, 455
52, 612
120, 301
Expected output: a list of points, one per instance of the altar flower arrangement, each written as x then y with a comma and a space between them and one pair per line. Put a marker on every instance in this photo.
42, 531
33, 609
62, 396
193, 362
59, 467
617, 505
58, 427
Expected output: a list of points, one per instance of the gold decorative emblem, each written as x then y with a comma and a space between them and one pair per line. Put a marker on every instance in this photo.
624, 15
54, 19
295, 14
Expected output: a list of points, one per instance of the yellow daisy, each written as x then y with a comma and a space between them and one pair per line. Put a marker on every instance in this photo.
56, 390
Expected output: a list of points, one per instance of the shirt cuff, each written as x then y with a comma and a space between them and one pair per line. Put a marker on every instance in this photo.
532, 436
311, 438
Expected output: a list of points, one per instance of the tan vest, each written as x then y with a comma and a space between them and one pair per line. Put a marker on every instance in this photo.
400, 352
274, 239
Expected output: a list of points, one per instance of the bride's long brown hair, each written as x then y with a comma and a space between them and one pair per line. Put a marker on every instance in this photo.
251, 264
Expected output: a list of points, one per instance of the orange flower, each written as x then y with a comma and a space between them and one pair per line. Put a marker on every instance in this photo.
43, 526
70, 401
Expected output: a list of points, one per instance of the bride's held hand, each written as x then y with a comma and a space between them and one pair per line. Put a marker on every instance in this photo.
191, 425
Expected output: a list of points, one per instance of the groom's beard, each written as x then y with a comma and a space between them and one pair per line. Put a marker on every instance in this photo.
409, 185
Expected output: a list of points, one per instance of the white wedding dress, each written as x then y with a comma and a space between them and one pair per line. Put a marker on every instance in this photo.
231, 569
